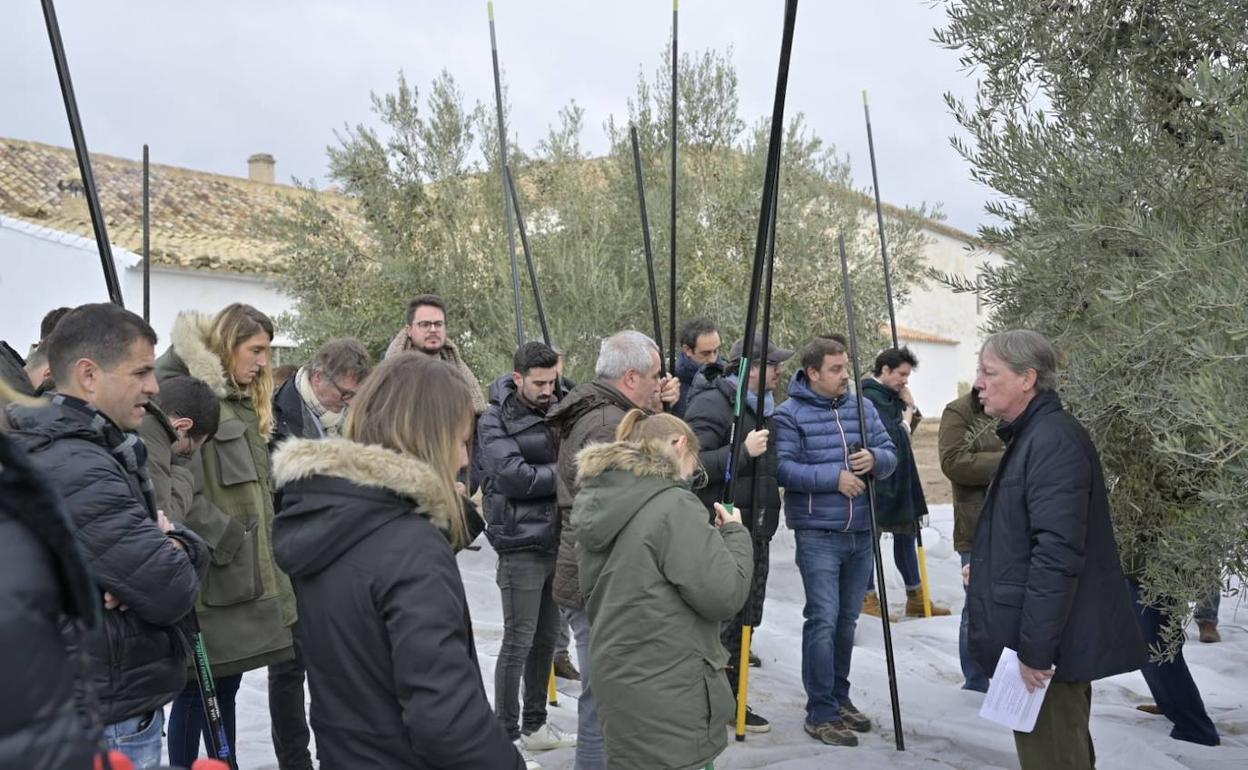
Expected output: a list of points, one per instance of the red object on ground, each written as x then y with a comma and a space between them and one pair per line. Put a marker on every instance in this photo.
118, 761
209, 764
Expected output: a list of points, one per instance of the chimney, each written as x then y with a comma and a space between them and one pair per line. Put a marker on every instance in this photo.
260, 168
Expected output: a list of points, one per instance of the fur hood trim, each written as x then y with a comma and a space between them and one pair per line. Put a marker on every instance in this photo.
365, 464
597, 459
189, 339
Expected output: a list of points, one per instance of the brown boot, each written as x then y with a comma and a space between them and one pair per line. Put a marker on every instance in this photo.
564, 668
871, 606
1208, 631
914, 604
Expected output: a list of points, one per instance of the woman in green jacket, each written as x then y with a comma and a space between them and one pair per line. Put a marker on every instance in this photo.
659, 580
246, 605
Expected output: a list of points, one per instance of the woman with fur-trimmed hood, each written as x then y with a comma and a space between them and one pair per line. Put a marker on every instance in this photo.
368, 531
660, 580
245, 605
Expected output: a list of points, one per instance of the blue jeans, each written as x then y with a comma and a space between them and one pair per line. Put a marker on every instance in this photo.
1207, 608
906, 557
975, 677
590, 752
138, 741
1171, 683
834, 568
187, 720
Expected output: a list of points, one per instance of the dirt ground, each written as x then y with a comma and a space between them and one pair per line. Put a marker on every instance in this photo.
935, 485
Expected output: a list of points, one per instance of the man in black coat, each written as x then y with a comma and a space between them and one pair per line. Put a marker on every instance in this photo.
103, 360
518, 454
699, 346
710, 414
1045, 578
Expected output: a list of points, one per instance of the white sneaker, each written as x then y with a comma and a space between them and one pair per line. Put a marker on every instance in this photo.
529, 762
547, 737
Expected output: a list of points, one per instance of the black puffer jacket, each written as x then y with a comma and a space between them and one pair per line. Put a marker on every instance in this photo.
139, 663
42, 581
387, 637
1045, 575
290, 415
710, 414
518, 452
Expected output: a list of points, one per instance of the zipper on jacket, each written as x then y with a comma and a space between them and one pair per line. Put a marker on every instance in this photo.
845, 455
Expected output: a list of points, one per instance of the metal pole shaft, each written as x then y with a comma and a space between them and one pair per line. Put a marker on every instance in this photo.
899, 737
671, 288
147, 239
502, 163
84, 159
645, 237
528, 254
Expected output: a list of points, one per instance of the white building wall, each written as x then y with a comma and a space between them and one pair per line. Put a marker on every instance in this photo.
935, 382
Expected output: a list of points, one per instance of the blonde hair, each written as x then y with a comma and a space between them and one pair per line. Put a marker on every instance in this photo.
233, 326
656, 432
417, 406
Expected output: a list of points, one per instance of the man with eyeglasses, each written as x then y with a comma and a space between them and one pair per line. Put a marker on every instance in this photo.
311, 404
425, 332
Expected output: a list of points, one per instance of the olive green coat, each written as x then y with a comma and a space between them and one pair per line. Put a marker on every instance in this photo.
970, 452
246, 605
659, 581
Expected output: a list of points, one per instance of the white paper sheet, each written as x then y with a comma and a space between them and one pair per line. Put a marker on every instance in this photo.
1008, 703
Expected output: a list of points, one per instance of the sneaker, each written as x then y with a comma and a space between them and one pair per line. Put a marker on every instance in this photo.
564, 668
529, 762
1208, 631
854, 719
832, 733
547, 737
755, 661
914, 605
753, 722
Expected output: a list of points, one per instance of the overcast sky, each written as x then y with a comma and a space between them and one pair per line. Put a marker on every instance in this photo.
208, 84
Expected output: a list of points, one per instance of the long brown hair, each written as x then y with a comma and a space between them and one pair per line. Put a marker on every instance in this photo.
656, 432
233, 326
417, 406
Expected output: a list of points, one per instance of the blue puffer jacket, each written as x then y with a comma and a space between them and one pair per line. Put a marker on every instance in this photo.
813, 436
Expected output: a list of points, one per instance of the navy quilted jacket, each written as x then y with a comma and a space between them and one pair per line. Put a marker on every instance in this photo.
813, 436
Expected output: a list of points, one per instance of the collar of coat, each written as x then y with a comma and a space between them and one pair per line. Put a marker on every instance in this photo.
189, 340
367, 465
1042, 403
598, 459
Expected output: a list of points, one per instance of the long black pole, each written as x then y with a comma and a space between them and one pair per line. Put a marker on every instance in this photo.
899, 737
645, 239
765, 228
84, 159
502, 164
925, 587
671, 273
217, 742
147, 238
528, 255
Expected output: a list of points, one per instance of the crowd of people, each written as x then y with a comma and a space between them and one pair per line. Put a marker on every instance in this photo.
310, 527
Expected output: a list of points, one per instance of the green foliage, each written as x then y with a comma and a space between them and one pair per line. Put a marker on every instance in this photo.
428, 187
1117, 136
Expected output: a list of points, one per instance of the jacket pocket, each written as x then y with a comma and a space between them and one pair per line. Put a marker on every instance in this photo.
235, 463
1008, 593
238, 580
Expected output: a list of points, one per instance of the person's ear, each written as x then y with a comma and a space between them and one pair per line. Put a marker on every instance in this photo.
1029, 379
86, 375
518, 379
182, 425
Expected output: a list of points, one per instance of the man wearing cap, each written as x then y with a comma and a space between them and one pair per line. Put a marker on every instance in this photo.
710, 413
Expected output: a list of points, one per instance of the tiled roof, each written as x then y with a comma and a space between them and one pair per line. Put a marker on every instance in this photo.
917, 335
199, 220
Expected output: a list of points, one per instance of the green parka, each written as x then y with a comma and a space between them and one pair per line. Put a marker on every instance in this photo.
246, 605
659, 581
970, 452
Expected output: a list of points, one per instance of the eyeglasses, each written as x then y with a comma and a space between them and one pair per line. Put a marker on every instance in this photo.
425, 326
343, 393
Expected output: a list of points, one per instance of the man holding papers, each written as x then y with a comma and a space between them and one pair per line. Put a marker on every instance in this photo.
1045, 579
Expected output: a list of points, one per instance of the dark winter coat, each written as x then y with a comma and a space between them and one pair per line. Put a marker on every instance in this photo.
139, 663
384, 621
44, 585
813, 437
171, 475
13, 370
686, 371
710, 414
518, 459
588, 415
899, 500
1045, 575
246, 606
291, 416
660, 581
970, 451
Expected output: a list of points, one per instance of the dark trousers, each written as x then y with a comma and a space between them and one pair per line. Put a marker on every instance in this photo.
287, 713
752, 612
1171, 683
1061, 740
187, 721
530, 627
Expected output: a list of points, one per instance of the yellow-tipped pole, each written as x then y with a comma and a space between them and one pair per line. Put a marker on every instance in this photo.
490, 9
552, 692
743, 682
926, 588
